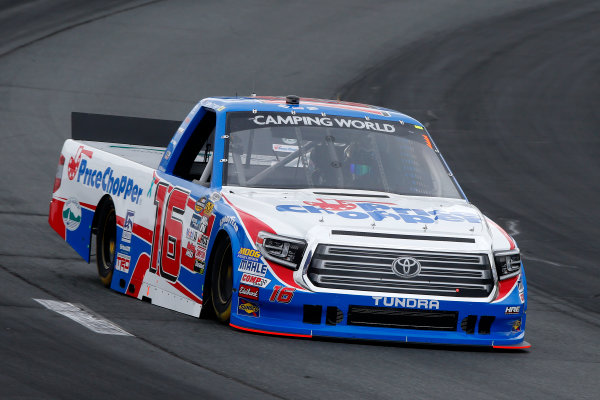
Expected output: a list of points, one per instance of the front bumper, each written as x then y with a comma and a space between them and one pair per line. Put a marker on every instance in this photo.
498, 324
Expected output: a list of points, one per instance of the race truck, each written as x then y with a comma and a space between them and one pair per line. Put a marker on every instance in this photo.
290, 216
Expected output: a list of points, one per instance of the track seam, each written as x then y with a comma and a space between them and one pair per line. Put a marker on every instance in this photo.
214, 371
25, 213
77, 24
157, 346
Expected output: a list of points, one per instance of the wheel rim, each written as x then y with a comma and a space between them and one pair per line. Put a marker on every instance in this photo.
225, 282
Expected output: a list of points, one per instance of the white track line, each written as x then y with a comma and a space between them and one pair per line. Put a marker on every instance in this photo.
78, 314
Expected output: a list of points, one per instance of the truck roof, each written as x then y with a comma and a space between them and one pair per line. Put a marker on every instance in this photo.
305, 105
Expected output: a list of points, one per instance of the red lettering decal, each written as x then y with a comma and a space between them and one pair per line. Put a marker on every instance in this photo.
282, 294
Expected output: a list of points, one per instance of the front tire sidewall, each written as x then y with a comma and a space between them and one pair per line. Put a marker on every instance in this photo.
106, 239
222, 281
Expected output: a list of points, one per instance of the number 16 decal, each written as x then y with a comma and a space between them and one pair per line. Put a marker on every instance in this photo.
282, 294
166, 241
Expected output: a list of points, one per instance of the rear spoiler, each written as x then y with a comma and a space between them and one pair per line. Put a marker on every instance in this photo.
120, 129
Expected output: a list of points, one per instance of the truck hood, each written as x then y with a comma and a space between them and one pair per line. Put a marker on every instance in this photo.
297, 213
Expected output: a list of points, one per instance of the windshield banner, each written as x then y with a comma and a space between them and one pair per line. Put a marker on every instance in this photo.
282, 119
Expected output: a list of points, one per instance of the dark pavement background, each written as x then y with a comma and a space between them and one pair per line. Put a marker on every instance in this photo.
510, 90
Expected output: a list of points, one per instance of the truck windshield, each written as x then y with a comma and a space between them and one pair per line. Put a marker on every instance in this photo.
296, 151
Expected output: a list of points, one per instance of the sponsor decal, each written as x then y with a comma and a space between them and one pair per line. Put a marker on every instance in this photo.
248, 292
200, 253
253, 267
190, 250
122, 263
76, 161
152, 182
195, 222
191, 234
317, 120
249, 254
167, 154
378, 211
513, 310
406, 303
71, 214
516, 325
203, 225
295, 107
214, 106
128, 226
124, 248
215, 196
208, 209
248, 308
284, 148
200, 203
406, 267
199, 266
203, 241
282, 294
254, 280
229, 221
521, 290
109, 181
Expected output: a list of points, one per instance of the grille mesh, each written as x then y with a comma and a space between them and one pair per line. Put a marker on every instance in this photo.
370, 269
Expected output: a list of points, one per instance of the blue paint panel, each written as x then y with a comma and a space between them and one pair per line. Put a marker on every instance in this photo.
79, 239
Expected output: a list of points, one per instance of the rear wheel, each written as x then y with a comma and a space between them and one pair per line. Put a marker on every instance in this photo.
222, 281
106, 243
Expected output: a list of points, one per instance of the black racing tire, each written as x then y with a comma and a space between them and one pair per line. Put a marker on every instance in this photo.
222, 281
106, 243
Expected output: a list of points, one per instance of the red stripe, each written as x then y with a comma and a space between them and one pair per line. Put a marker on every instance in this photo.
505, 287
142, 265
138, 230
253, 226
55, 217
88, 206
525, 346
506, 235
186, 292
270, 333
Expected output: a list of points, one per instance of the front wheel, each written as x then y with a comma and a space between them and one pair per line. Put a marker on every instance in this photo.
222, 281
106, 242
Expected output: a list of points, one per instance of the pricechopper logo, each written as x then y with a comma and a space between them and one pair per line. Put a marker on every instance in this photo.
108, 181
74, 162
378, 211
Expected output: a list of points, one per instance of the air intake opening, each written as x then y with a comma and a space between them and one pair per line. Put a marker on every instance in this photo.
485, 324
334, 316
468, 324
312, 314
402, 318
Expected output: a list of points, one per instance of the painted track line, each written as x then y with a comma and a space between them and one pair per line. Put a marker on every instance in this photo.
86, 318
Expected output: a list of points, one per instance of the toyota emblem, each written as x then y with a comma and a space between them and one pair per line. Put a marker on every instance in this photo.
406, 267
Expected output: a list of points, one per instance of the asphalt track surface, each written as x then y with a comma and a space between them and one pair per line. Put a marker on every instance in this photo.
510, 91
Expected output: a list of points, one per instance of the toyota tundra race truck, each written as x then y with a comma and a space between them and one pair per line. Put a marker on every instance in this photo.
288, 216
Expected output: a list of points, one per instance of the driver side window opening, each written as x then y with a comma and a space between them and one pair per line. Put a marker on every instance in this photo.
195, 161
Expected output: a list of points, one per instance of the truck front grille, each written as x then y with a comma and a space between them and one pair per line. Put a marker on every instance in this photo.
370, 269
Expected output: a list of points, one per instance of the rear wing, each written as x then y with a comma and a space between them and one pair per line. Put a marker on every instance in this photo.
121, 129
